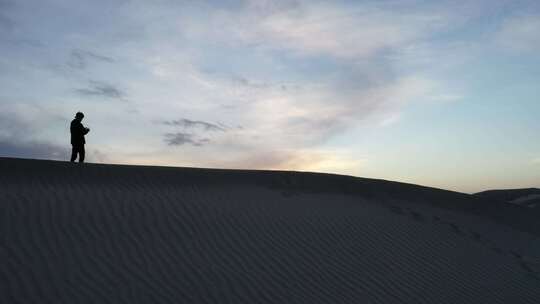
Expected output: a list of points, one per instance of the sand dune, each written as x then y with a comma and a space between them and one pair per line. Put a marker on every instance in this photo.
133, 234
528, 197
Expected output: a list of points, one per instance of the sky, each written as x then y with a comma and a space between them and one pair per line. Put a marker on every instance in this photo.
438, 93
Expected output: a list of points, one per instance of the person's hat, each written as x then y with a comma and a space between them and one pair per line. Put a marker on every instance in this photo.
79, 115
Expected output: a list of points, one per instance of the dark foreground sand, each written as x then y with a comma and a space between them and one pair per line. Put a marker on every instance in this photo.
128, 234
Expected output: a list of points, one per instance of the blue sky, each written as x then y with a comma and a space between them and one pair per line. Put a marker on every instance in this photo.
438, 93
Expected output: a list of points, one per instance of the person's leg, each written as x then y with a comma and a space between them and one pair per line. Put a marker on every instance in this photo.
81, 154
73, 153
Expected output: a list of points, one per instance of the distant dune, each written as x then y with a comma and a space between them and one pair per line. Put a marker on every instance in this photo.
96, 233
528, 197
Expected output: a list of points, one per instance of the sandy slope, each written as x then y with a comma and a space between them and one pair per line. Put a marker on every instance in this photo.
126, 234
528, 197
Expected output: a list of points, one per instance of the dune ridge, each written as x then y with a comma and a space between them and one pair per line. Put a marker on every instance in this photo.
137, 234
527, 197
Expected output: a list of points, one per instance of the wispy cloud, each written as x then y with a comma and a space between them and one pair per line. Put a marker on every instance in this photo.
188, 123
193, 127
179, 139
79, 58
98, 88
249, 83
315, 28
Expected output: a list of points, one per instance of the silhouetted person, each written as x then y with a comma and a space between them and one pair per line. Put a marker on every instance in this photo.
78, 131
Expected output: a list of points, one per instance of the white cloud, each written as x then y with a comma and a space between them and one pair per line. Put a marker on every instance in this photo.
315, 28
339, 33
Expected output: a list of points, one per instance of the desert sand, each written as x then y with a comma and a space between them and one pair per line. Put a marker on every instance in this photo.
96, 233
528, 197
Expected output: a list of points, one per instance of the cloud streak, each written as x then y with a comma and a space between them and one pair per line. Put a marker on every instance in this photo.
188, 123
101, 89
330, 29
79, 59
180, 138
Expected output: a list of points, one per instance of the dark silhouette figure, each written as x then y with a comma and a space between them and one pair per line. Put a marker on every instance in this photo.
78, 131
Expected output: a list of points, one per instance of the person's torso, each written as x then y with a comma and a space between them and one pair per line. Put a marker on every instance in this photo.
77, 132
